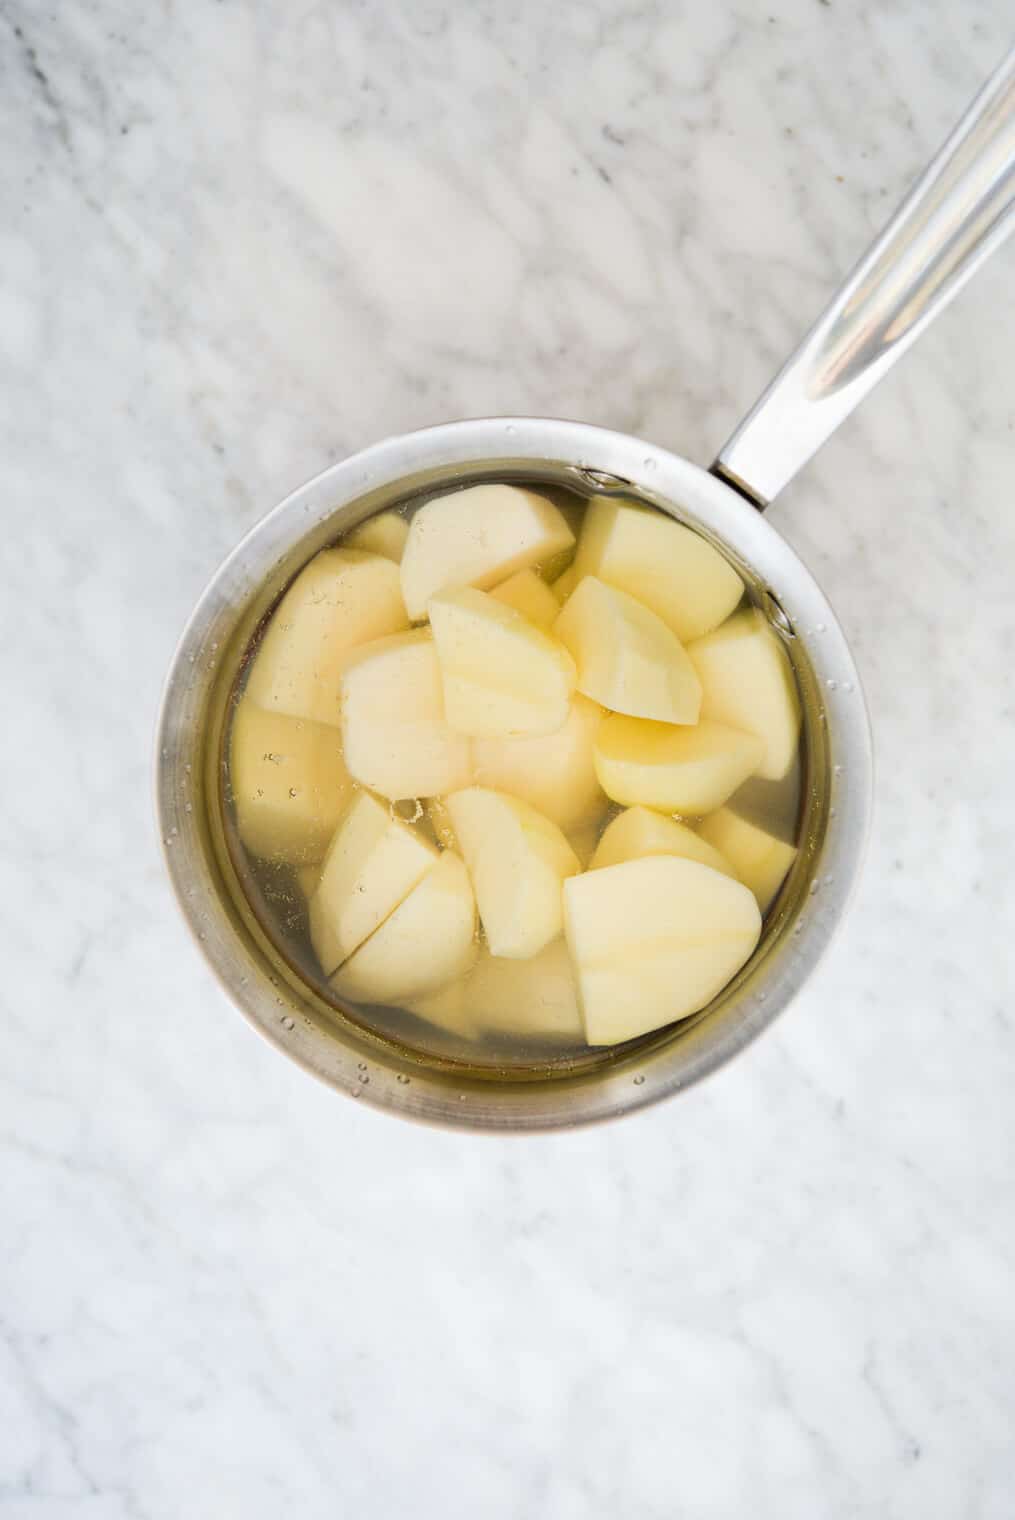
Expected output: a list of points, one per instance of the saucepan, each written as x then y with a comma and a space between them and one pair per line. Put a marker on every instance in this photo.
957, 213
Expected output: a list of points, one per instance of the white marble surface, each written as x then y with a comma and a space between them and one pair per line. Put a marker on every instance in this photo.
238, 241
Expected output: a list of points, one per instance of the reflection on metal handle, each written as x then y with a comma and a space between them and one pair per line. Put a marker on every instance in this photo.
958, 212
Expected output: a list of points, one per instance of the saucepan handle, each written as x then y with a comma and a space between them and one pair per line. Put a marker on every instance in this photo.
956, 214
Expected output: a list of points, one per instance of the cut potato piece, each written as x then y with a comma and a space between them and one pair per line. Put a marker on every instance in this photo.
502, 676
372, 864
563, 586
759, 859
307, 878
675, 770
654, 940
448, 1008
440, 822
384, 534
638, 831
627, 658
477, 537
529, 594
668, 568
555, 774
396, 739
427, 942
535, 999
289, 783
517, 860
343, 598
747, 682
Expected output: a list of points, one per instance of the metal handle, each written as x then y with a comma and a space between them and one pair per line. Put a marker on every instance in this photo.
957, 213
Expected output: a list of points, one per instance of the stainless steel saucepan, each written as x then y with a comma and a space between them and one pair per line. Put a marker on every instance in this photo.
957, 213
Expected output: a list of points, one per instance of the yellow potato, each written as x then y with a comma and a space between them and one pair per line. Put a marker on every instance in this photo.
372, 864
448, 1008
342, 599
670, 569
517, 860
654, 940
529, 594
627, 658
289, 783
555, 774
396, 739
672, 769
638, 831
427, 942
748, 683
759, 859
477, 537
384, 534
534, 999
502, 675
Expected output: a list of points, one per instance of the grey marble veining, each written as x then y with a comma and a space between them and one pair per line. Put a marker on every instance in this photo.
237, 242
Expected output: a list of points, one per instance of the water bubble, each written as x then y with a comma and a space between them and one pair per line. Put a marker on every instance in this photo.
798, 927
202, 936
638, 1081
292, 791
188, 807
819, 628
362, 1066
357, 1091
280, 1002
288, 1023
649, 462
165, 754
187, 769
762, 997
831, 812
832, 685
211, 664
829, 880
401, 1075
409, 810
214, 647
168, 839
847, 686
461, 1097
509, 429
814, 886
190, 659
837, 770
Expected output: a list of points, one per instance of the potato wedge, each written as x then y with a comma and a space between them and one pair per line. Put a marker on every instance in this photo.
289, 783
639, 831
517, 860
503, 677
759, 859
555, 774
670, 569
477, 537
529, 594
373, 862
383, 534
653, 941
341, 599
396, 739
748, 683
534, 999
627, 658
674, 770
427, 942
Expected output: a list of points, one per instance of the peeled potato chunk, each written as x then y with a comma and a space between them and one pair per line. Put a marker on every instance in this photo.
477, 537
672, 769
654, 940
535, 999
638, 831
395, 736
448, 1008
289, 783
428, 941
747, 682
529, 594
556, 774
517, 860
502, 676
669, 569
341, 599
372, 864
627, 658
384, 534
759, 859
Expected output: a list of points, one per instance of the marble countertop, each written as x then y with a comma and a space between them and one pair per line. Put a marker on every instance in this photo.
239, 241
